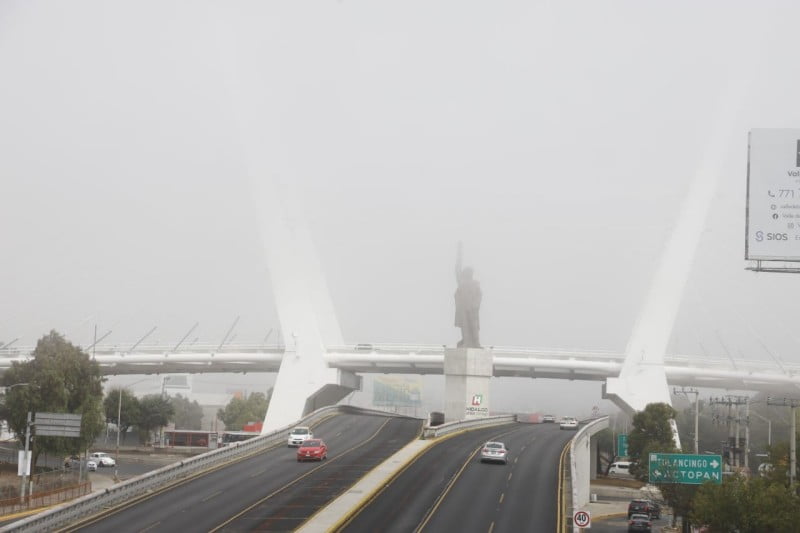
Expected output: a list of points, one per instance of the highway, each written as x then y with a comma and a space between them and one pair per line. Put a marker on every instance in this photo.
270, 490
448, 489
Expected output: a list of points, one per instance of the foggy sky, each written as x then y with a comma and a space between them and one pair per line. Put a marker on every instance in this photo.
556, 140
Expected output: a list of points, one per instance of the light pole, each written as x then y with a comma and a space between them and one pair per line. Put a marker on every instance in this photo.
769, 426
687, 392
119, 423
25, 458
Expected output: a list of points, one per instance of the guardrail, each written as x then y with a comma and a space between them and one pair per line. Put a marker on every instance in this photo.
579, 464
431, 432
68, 513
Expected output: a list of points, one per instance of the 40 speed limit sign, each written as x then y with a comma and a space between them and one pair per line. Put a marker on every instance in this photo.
582, 519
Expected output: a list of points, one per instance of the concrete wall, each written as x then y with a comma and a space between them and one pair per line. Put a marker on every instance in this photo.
467, 372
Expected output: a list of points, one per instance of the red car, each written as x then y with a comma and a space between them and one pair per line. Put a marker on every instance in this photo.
312, 450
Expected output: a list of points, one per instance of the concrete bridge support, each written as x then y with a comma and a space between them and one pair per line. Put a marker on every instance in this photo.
467, 372
306, 313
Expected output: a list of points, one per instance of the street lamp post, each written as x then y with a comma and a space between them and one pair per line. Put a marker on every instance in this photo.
28, 425
119, 430
119, 424
769, 426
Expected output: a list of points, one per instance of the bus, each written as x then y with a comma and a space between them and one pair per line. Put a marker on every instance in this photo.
229, 437
190, 437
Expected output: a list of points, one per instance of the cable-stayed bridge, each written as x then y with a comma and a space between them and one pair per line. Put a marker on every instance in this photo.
580, 365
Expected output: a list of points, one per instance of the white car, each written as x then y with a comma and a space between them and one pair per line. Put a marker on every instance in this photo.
568, 422
620, 468
102, 459
549, 419
76, 462
299, 435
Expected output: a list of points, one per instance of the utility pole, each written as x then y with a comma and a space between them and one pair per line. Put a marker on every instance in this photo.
793, 404
731, 401
26, 466
687, 392
747, 435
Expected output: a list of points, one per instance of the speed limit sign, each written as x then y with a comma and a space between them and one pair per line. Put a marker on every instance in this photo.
582, 519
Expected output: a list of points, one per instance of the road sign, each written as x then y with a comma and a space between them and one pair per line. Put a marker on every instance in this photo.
622, 445
24, 463
684, 468
57, 425
582, 519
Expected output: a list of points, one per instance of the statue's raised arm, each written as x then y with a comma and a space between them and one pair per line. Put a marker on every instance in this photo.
458, 262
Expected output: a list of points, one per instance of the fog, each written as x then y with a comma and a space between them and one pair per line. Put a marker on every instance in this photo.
557, 141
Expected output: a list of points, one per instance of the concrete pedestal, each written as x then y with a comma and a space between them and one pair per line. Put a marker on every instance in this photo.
466, 383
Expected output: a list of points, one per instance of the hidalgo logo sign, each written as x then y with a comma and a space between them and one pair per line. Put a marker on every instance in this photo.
475, 407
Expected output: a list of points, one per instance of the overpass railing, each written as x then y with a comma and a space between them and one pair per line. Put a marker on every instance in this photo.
431, 432
68, 513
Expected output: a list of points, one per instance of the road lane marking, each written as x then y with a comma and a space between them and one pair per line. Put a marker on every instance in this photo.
211, 496
509, 475
148, 528
502, 496
298, 479
170, 485
491, 527
256, 474
427, 518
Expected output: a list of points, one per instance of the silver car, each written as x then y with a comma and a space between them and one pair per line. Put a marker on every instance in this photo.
568, 422
494, 452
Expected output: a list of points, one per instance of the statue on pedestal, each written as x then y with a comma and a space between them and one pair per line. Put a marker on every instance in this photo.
468, 304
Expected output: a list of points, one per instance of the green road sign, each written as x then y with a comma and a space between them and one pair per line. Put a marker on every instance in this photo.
622, 445
685, 468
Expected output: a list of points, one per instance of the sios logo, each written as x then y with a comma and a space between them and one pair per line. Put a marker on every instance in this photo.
771, 236
477, 399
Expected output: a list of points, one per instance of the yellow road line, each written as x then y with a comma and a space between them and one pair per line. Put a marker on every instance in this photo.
297, 479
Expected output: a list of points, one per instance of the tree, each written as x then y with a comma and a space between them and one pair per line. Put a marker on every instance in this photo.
652, 433
188, 415
129, 413
651, 430
747, 506
155, 413
239, 412
59, 378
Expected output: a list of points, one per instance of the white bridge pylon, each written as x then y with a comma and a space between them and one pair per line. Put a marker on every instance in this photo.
306, 313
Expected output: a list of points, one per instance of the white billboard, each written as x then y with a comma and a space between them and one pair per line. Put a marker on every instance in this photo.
773, 195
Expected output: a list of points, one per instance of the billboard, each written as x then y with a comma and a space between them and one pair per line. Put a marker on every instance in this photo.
397, 391
772, 231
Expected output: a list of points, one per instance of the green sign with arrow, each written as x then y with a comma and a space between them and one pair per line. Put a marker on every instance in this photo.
622, 445
684, 468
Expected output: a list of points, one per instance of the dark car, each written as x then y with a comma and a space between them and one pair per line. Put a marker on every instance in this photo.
655, 514
645, 507
640, 522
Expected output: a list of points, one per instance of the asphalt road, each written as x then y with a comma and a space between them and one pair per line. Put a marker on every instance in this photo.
270, 491
448, 489
620, 525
